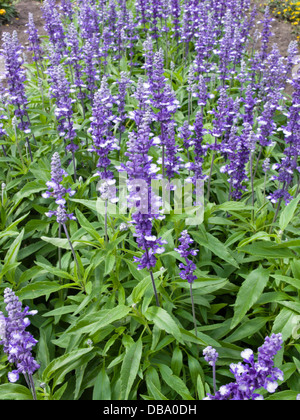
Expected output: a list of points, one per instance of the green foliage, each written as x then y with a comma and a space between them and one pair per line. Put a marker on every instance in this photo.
7, 10
100, 335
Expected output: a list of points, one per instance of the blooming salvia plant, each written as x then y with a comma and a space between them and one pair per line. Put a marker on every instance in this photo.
60, 193
141, 171
16, 341
250, 375
15, 75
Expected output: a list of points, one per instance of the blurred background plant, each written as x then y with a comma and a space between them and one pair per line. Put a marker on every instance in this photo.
287, 10
7, 10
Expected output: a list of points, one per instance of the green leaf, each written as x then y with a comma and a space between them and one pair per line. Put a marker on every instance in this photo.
164, 321
69, 309
174, 382
152, 389
288, 212
143, 286
289, 280
247, 329
101, 390
92, 323
64, 362
130, 367
283, 396
285, 323
212, 243
10, 260
176, 362
90, 204
40, 288
267, 250
12, 253
109, 263
232, 206
194, 368
55, 271
29, 189
249, 292
14, 392
9, 230
86, 225
200, 388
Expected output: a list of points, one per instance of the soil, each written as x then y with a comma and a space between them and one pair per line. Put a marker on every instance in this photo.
282, 31
24, 7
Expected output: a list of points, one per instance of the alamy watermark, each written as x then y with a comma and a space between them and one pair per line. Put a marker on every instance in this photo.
162, 196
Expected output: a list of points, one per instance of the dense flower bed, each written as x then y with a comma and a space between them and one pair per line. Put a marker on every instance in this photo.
149, 204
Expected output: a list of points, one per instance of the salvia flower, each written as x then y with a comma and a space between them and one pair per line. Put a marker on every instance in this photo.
102, 123
60, 90
210, 355
58, 191
17, 342
15, 76
141, 171
53, 24
250, 375
199, 149
172, 160
67, 8
34, 39
289, 166
187, 269
74, 57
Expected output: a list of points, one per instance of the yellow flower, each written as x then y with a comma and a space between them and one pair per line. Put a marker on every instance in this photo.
2, 11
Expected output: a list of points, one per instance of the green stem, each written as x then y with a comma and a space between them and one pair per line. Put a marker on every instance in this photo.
193, 309
210, 175
154, 287
72, 249
105, 223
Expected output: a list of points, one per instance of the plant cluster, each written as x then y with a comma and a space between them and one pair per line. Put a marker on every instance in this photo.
149, 212
7, 10
288, 10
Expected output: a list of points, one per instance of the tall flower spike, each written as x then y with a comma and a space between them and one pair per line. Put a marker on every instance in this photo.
141, 171
16, 341
60, 90
67, 8
34, 39
187, 270
102, 122
15, 76
58, 191
53, 24
74, 58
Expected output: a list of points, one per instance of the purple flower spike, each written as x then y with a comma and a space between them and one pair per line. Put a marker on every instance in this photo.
16, 76
102, 124
16, 341
58, 192
188, 269
34, 39
250, 375
60, 90
210, 355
